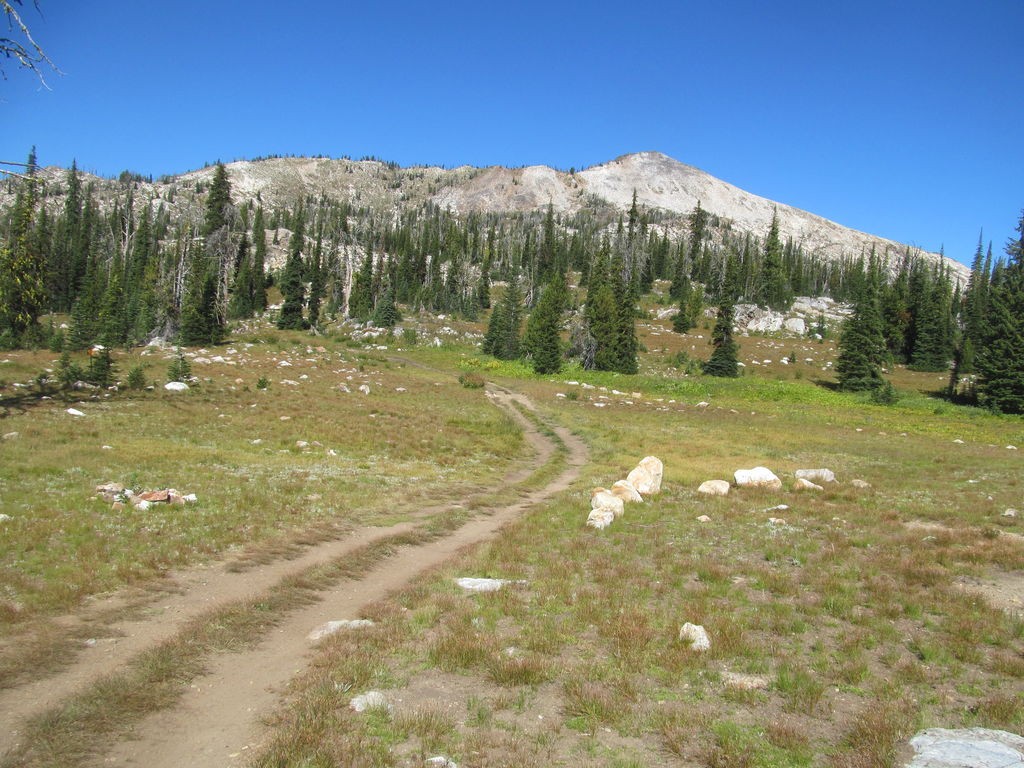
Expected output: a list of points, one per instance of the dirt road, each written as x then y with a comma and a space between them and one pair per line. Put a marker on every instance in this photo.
217, 722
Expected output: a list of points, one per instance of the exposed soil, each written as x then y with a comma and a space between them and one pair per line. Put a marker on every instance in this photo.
218, 720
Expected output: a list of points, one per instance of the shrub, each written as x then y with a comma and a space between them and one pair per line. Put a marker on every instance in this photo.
262, 382
101, 368
886, 394
409, 337
137, 377
471, 380
179, 369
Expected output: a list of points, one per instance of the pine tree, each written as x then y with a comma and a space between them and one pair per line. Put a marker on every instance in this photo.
541, 341
259, 276
862, 346
690, 306
496, 330
626, 343
774, 290
508, 347
385, 314
723, 361
243, 288
293, 289
22, 264
360, 301
1000, 360
217, 201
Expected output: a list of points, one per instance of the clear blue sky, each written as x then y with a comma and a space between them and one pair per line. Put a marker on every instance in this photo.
899, 118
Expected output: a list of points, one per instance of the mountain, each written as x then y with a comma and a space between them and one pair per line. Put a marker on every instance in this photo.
661, 184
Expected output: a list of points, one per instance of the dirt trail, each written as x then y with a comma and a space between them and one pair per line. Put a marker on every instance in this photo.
218, 720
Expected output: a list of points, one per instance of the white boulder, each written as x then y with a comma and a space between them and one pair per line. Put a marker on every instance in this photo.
695, 635
758, 477
74, 412
646, 477
601, 498
176, 386
973, 747
817, 475
473, 584
600, 518
332, 627
369, 700
714, 488
796, 325
624, 490
803, 484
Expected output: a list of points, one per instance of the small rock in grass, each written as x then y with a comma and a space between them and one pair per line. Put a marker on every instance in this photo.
12, 435
74, 412
778, 508
4, 518
142, 505
1011, 447
858, 483
817, 475
331, 627
714, 488
803, 484
471, 584
974, 747
1010, 513
703, 519
646, 478
369, 700
958, 441
440, 761
758, 477
742, 682
695, 635
600, 518
302, 445
364, 388
176, 386
776, 521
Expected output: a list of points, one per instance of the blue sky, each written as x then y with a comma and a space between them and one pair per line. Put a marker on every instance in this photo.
902, 119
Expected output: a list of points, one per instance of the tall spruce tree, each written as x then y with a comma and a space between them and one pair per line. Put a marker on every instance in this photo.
293, 287
1000, 360
862, 346
724, 359
773, 289
541, 342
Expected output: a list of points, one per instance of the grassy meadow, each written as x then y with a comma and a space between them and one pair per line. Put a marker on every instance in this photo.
854, 618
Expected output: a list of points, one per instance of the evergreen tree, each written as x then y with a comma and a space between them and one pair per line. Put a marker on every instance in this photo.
385, 314
360, 301
508, 347
1000, 360
243, 290
541, 341
626, 343
496, 329
217, 201
259, 276
774, 290
22, 264
292, 284
723, 361
691, 304
862, 345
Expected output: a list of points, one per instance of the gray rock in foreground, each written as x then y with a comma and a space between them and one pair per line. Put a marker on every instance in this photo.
967, 748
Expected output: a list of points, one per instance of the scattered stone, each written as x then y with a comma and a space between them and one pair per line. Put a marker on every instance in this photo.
369, 700
1010, 513
302, 445
331, 627
257, 441
106, 447
75, 412
656, 469
12, 435
803, 484
817, 475
190, 498
602, 498
624, 490
776, 521
155, 496
743, 682
4, 518
111, 488
695, 635
471, 584
778, 508
858, 483
958, 441
364, 388
967, 748
1011, 447
758, 477
714, 488
176, 386
703, 519
600, 518
141, 505
440, 761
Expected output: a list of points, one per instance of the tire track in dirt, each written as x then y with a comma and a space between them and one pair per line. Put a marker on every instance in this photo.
218, 720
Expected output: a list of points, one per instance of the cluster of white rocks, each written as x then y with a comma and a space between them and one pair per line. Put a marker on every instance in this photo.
764, 478
120, 497
608, 504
